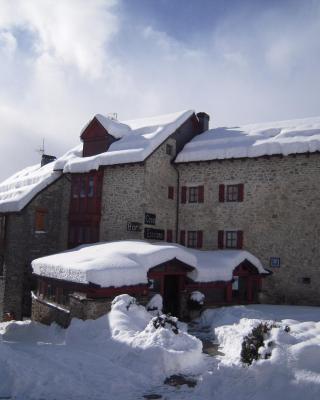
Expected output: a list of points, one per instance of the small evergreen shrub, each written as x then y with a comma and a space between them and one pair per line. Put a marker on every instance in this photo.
254, 341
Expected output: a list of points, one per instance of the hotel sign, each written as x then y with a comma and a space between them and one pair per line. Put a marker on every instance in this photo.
154, 234
149, 219
134, 226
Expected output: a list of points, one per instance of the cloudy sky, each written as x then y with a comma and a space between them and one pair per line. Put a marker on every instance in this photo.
62, 61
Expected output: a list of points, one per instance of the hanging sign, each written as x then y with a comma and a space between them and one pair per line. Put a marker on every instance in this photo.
150, 219
154, 234
134, 226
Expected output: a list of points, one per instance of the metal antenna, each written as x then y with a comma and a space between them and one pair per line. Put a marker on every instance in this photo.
41, 149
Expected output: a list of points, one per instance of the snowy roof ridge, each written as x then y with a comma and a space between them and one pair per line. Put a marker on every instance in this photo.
254, 140
137, 139
124, 263
19, 189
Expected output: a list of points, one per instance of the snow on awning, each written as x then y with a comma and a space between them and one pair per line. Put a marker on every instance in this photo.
254, 140
125, 263
137, 139
18, 190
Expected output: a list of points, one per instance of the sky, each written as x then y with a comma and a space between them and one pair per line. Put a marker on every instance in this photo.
62, 61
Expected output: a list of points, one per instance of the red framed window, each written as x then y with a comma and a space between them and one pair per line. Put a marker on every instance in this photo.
230, 239
194, 194
231, 193
194, 239
41, 219
170, 192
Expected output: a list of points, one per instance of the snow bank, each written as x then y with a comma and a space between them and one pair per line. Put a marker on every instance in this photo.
18, 190
164, 351
126, 263
254, 140
119, 356
137, 139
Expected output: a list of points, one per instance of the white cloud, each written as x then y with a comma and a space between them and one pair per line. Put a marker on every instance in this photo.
63, 61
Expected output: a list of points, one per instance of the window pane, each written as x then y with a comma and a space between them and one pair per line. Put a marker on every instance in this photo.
232, 193
91, 186
83, 186
192, 238
193, 194
231, 239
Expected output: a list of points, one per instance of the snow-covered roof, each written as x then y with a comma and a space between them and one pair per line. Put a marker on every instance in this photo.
137, 139
22, 187
125, 263
254, 140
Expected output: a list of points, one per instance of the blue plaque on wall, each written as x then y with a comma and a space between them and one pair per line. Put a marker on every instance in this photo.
275, 262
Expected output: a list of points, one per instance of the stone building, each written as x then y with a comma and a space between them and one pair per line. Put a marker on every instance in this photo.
171, 179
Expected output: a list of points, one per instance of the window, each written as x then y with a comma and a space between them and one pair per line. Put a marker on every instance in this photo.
91, 186
231, 239
83, 187
231, 193
2, 228
193, 194
171, 192
306, 280
169, 235
1, 265
169, 149
192, 239
75, 187
40, 220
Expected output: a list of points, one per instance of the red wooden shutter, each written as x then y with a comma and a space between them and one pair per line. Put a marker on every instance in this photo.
240, 192
239, 239
220, 239
183, 237
221, 193
199, 239
183, 194
169, 235
200, 194
170, 192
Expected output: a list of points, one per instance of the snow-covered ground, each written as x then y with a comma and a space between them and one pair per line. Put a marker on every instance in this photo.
123, 356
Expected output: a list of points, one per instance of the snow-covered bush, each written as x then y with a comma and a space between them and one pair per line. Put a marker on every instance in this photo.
196, 300
167, 322
255, 346
155, 305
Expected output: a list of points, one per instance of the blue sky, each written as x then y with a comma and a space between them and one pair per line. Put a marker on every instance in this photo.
63, 61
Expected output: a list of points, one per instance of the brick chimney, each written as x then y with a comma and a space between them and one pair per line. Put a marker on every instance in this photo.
46, 159
203, 121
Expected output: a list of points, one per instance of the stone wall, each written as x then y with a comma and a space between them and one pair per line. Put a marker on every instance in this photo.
24, 243
279, 217
130, 191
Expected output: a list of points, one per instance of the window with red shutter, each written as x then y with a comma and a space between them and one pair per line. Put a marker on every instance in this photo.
220, 239
240, 191
239, 239
170, 192
169, 235
183, 237
200, 194
40, 219
199, 239
183, 194
221, 193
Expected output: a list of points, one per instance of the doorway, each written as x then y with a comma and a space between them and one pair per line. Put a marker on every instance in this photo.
171, 295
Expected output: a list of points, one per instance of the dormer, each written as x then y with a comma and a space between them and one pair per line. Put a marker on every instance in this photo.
96, 139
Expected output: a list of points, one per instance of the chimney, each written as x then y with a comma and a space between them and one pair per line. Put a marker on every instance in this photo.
203, 121
46, 159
